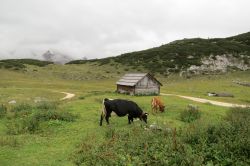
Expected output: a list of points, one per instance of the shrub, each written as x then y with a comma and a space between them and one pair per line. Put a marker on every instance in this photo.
225, 144
30, 125
32, 116
22, 110
81, 97
22, 107
3, 111
133, 147
54, 115
190, 114
47, 105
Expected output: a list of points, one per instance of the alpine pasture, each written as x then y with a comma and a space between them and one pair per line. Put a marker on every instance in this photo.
41, 129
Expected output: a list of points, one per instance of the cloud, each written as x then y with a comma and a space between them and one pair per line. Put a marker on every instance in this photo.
97, 28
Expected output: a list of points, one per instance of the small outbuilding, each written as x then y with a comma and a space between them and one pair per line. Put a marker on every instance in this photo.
138, 84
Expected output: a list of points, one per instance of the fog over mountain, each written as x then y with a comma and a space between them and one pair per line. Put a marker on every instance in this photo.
95, 28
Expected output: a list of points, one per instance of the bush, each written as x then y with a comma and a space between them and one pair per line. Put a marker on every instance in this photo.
31, 124
190, 114
22, 110
136, 147
54, 115
47, 105
225, 144
22, 107
3, 111
81, 97
30, 117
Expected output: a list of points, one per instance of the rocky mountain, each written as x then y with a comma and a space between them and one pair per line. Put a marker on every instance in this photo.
56, 57
188, 56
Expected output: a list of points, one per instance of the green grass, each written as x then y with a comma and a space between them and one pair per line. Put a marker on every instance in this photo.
57, 140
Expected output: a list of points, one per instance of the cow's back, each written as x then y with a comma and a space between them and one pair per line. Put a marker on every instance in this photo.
123, 107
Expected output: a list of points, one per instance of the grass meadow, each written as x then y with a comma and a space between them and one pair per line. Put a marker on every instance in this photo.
48, 136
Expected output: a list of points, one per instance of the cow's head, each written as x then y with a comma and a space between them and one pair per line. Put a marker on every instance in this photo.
162, 108
144, 117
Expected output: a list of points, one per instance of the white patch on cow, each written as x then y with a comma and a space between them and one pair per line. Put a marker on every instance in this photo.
103, 107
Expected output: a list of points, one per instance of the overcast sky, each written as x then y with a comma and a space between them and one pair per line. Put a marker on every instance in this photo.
101, 28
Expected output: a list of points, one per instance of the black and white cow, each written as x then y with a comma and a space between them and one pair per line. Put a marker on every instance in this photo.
122, 108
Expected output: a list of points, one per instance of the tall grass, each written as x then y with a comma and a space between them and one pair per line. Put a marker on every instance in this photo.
190, 114
8, 141
3, 111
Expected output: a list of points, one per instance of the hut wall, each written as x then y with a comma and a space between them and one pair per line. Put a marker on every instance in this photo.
147, 86
125, 89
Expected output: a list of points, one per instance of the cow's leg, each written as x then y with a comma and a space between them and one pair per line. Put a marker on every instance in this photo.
101, 120
130, 118
107, 117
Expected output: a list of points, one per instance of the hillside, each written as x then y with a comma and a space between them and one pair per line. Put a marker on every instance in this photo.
195, 55
17, 64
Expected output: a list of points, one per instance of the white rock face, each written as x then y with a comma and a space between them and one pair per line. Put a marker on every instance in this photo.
219, 63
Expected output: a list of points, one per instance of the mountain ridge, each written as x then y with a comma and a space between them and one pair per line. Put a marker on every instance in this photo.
186, 54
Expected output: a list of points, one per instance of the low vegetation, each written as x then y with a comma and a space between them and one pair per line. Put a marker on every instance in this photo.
25, 118
3, 111
190, 114
8, 141
227, 143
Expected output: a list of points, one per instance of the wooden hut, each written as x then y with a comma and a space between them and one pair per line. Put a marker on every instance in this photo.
138, 84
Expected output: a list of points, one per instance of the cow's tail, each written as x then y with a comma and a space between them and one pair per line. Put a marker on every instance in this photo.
103, 114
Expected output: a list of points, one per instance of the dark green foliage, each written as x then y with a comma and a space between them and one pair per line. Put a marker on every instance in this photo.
81, 97
47, 106
27, 118
77, 62
226, 143
242, 38
53, 115
190, 114
22, 107
11, 65
135, 147
22, 110
18, 64
3, 111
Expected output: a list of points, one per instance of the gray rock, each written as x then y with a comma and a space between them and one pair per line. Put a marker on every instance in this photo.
12, 102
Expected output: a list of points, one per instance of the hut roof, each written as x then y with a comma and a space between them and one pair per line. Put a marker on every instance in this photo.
132, 79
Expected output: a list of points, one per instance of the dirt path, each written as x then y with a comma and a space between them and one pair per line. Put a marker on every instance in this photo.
68, 95
218, 103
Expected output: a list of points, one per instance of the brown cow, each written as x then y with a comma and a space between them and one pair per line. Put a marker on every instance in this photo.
157, 104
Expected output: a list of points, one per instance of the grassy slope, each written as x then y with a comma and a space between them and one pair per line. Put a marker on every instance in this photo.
57, 142
180, 54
